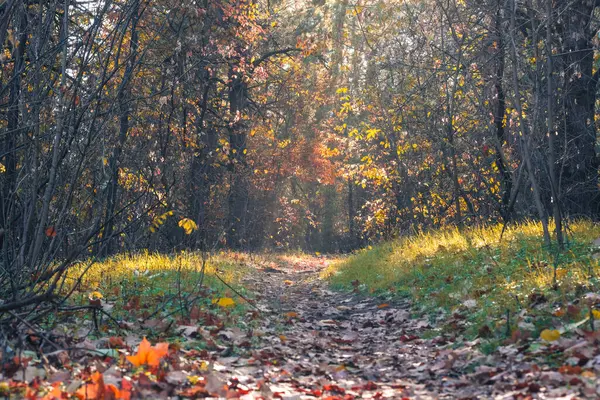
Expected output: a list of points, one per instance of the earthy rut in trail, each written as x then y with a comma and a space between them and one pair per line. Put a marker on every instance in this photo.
318, 342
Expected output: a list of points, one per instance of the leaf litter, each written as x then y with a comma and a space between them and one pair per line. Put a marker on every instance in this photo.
311, 342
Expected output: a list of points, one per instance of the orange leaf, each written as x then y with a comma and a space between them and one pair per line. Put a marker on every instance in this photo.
50, 232
292, 314
149, 355
94, 390
55, 393
384, 305
559, 312
156, 353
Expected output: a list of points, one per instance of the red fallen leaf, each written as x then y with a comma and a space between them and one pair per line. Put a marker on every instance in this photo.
126, 387
573, 310
334, 389
534, 387
316, 392
194, 392
370, 386
51, 232
408, 338
116, 342
378, 395
575, 381
195, 313
133, 303
570, 370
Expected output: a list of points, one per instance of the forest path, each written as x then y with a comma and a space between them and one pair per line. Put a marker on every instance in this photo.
325, 344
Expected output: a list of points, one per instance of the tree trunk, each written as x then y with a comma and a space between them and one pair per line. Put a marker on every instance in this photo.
580, 165
238, 195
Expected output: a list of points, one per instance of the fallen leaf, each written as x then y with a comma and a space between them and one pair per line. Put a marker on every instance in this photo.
94, 390
50, 232
550, 335
149, 355
224, 302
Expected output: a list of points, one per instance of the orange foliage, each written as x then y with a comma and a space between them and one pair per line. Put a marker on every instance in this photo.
149, 355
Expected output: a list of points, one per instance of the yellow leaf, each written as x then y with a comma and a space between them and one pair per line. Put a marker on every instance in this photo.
95, 296
224, 302
288, 282
550, 335
283, 338
588, 374
596, 314
188, 225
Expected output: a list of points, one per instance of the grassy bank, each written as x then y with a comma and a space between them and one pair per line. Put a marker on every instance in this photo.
160, 289
475, 273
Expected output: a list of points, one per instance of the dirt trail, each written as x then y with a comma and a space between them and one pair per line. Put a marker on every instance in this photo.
325, 344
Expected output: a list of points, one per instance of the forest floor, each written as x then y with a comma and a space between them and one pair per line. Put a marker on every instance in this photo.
323, 343
291, 336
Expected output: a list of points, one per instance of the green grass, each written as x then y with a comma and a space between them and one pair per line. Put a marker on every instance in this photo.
446, 270
153, 287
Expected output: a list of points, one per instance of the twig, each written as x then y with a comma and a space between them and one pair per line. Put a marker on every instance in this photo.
78, 308
57, 347
236, 292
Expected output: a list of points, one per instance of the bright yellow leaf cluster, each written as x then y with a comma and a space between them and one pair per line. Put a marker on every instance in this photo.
550, 335
188, 225
224, 302
158, 221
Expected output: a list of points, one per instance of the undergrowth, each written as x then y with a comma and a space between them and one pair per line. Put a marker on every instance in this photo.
159, 290
489, 281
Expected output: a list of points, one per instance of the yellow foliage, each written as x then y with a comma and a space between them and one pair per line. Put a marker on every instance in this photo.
550, 335
95, 295
188, 225
224, 302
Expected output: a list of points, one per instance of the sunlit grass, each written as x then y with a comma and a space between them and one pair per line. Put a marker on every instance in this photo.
105, 273
160, 283
442, 269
